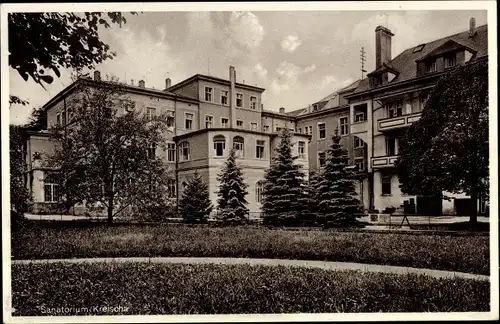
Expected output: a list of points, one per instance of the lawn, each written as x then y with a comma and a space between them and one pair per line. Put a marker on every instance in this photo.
150, 288
444, 252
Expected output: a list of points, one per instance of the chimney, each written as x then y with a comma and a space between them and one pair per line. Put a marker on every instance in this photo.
142, 84
168, 83
282, 110
97, 76
232, 95
382, 46
472, 27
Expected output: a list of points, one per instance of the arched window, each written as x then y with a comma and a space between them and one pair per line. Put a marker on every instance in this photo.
219, 145
184, 151
238, 145
259, 187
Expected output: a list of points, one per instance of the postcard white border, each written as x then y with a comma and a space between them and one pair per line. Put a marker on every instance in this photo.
490, 6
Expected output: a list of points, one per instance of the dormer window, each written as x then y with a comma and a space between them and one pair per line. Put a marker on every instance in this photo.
450, 60
315, 107
376, 80
430, 66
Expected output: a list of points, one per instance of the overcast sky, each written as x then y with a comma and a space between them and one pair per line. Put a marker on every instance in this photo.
298, 57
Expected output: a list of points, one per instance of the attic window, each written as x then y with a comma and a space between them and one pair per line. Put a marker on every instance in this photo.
418, 48
315, 107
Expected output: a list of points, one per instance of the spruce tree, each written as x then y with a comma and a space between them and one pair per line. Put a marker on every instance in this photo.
231, 204
309, 217
337, 199
195, 205
284, 196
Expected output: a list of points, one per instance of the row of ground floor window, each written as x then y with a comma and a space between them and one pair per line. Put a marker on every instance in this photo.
379, 192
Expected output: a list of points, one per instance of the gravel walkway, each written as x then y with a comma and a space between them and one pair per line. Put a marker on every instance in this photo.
328, 265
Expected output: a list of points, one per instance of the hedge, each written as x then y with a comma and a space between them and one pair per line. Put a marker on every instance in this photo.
453, 253
151, 289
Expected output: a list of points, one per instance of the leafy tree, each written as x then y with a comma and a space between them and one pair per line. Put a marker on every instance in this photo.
19, 194
107, 155
195, 205
336, 194
37, 120
447, 149
284, 195
232, 191
49, 41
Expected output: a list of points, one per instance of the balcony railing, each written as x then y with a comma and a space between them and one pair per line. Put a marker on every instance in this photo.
384, 161
397, 122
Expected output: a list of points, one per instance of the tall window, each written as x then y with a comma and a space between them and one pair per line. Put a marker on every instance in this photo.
219, 145
63, 118
170, 118
238, 145
391, 146
259, 188
209, 121
399, 108
189, 121
300, 130
430, 66
386, 185
422, 98
344, 126
223, 97
58, 119
171, 188
224, 122
321, 130
184, 151
450, 60
171, 152
266, 128
253, 102
322, 159
239, 100
208, 94
306, 130
310, 130
70, 114
51, 188
239, 123
302, 150
360, 164
253, 126
151, 113
152, 152
358, 142
260, 149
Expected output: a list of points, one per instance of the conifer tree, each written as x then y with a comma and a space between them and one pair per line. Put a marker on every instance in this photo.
195, 205
337, 199
284, 197
231, 204
309, 217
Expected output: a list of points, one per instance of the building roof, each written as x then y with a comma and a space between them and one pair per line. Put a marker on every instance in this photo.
405, 62
328, 102
214, 79
130, 88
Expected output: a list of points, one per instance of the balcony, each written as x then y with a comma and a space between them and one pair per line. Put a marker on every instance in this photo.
384, 161
397, 122
359, 127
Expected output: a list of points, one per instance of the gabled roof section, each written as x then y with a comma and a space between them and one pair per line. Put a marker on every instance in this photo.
197, 77
405, 62
384, 68
449, 46
334, 94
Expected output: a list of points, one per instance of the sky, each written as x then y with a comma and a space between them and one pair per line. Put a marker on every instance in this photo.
299, 57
